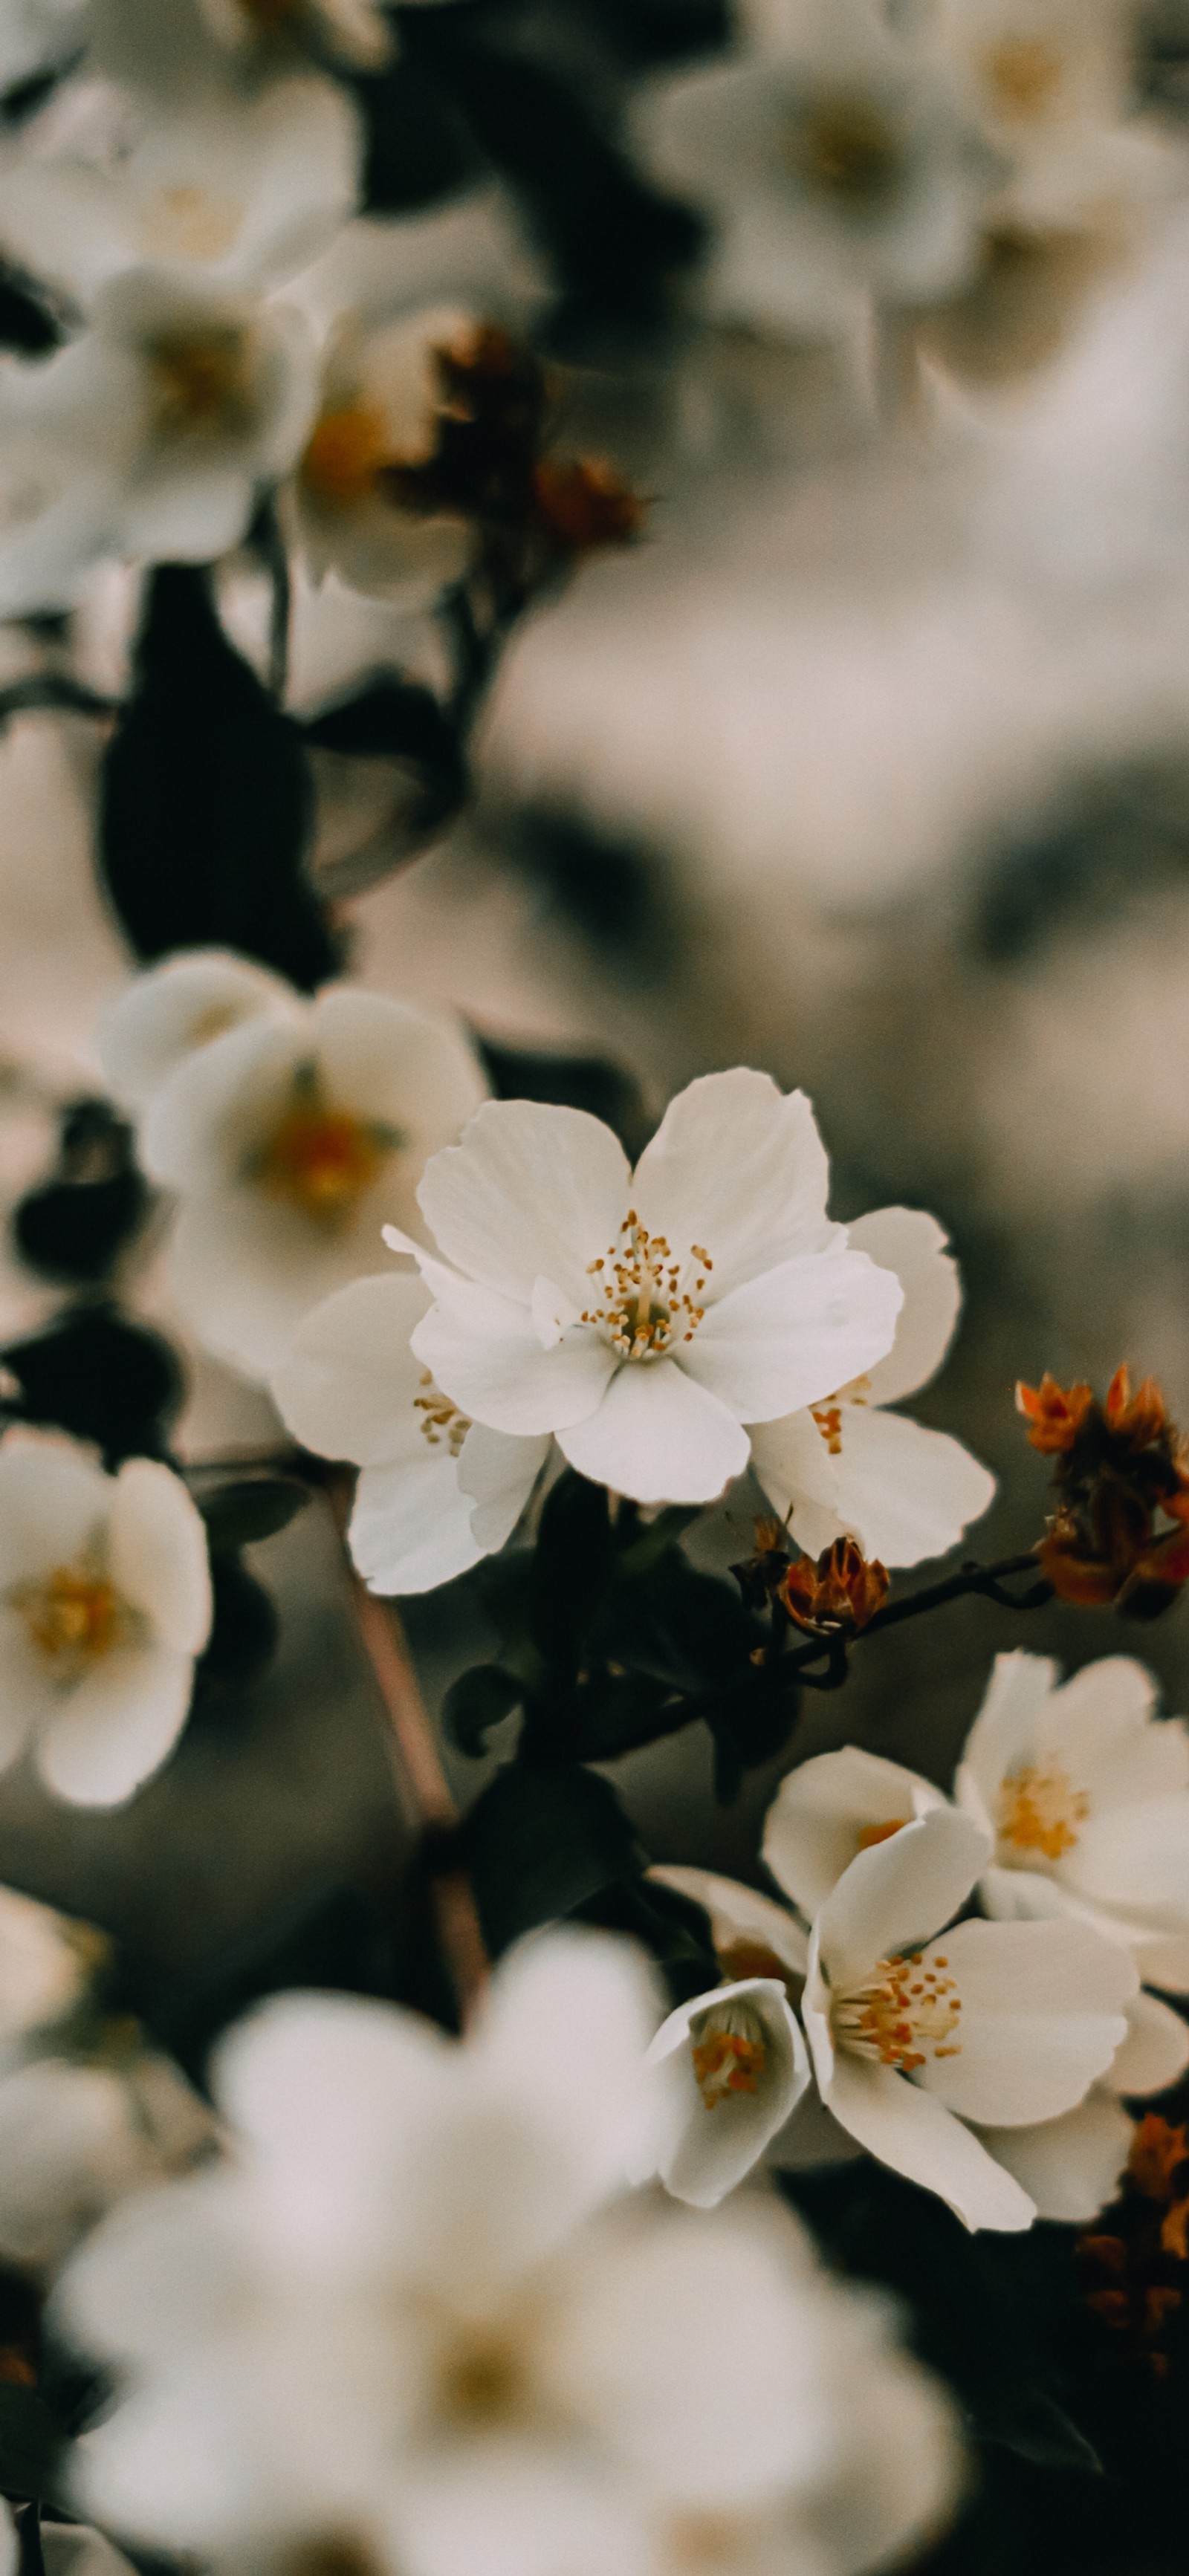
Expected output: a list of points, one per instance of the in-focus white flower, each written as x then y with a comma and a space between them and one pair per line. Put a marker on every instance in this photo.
835, 163
237, 191
105, 1602
1085, 1793
378, 409
1072, 2166
182, 1004
831, 1808
404, 2318
645, 1317
730, 2069
148, 436
435, 1491
288, 1139
847, 1467
917, 2031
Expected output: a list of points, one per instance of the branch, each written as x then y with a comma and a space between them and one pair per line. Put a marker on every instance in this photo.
53, 690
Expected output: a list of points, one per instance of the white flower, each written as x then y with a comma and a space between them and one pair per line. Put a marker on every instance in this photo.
402, 2320
916, 2031
377, 411
287, 1139
829, 1810
237, 191
835, 163
78, 2136
848, 1467
1036, 72
105, 1601
435, 1491
730, 2070
182, 1004
148, 436
46, 1962
645, 1317
1085, 1793
1070, 2167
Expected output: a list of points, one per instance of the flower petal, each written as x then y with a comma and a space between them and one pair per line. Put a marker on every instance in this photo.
789, 1336
184, 1003
116, 1727
657, 1436
1155, 2052
739, 1916
707, 2147
499, 1474
800, 1478
898, 1894
905, 1492
349, 1384
531, 1190
831, 1808
158, 1555
201, 1128
586, 2005
1135, 1856
739, 1168
913, 1245
1072, 2166
915, 2135
54, 1501
393, 1061
1003, 1735
410, 1528
486, 1355
1043, 2012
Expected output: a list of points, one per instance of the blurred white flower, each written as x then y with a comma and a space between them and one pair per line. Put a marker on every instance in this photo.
435, 1491
105, 1602
78, 2135
287, 1136
645, 1317
835, 163
403, 2322
1036, 73
356, 31
847, 1467
46, 1963
916, 2031
236, 190
148, 436
1085, 1793
377, 412
730, 2068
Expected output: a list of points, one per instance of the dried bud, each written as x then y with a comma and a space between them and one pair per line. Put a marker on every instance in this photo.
583, 504
1138, 1419
1158, 2153
840, 1593
760, 1576
1056, 1413
1120, 1531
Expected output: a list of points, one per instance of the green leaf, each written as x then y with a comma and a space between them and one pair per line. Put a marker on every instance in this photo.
1030, 2423
476, 1702
32, 2445
682, 1628
251, 1509
587, 1082
539, 1842
572, 1568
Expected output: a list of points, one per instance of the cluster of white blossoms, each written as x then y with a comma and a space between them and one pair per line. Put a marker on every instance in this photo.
983, 2058
416, 2321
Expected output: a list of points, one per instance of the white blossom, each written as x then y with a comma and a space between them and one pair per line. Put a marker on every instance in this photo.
149, 435
182, 1004
644, 1318
730, 2069
404, 2318
105, 1602
377, 412
435, 1492
233, 190
847, 1466
1085, 1792
917, 2032
287, 1138
1072, 2166
79, 2133
831, 1808
836, 165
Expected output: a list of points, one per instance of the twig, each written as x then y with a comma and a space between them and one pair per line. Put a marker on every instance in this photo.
417, 1764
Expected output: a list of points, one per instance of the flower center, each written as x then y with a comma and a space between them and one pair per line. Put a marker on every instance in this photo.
1023, 75
845, 148
482, 2382
189, 223
645, 1308
729, 2054
1041, 1811
873, 1834
440, 1420
74, 1616
320, 1159
907, 2011
344, 455
200, 380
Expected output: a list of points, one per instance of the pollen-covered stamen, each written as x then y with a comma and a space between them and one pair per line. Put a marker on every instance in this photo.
1041, 1811
649, 1298
906, 2012
441, 1424
729, 2054
828, 1418
75, 1616
319, 1158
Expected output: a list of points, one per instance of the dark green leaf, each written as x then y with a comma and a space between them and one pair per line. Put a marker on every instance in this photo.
476, 1702
75, 1226
671, 1927
102, 1379
572, 1567
206, 802
587, 1082
253, 1508
1026, 2421
388, 718
604, 1714
416, 146
538, 1842
32, 2445
683, 1628
243, 1636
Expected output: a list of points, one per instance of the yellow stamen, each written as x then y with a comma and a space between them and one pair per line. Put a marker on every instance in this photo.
1041, 1811
320, 1159
201, 379
440, 1419
189, 223
847, 148
828, 1418
74, 1615
907, 2011
647, 1306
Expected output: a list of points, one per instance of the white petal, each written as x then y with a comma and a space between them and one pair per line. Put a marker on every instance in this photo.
913, 1245
391, 1060
158, 1555
1101, 1725
905, 1492
705, 2150
918, 2137
1003, 1735
1155, 2052
28, 1693
221, 1101
532, 1190
898, 1894
831, 1808
583, 2006
740, 1169
410, 1528
1043, 2012
1134, 1856
788, 1337
485, 1354
349, 1384
1071, 2167
184, 1003
799, 1477
54, 1501
657, 1437
116, 1727
245, 1270
68, 2145
499, 1473
740, 1918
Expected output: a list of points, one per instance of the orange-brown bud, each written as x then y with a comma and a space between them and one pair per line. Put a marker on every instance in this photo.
1138, 1419
583, 504
1158, 2152
1055, 1413
841, 1591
